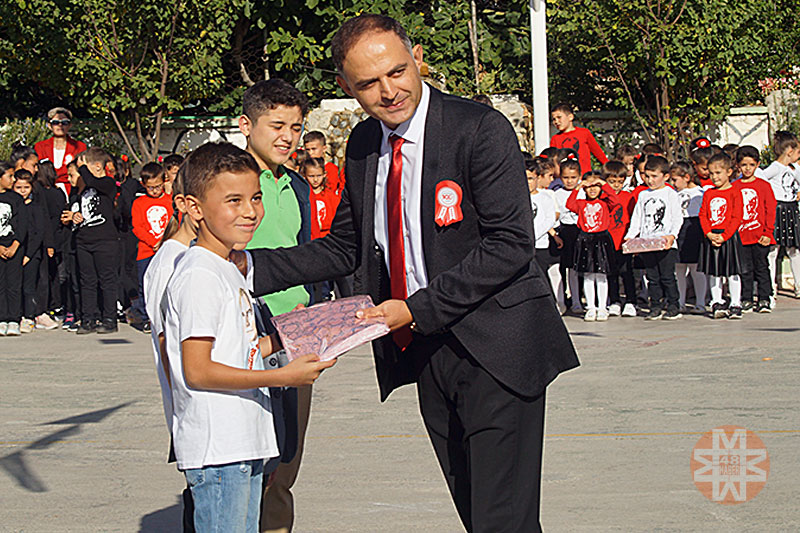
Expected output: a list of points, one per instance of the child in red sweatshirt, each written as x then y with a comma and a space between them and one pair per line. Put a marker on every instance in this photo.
594, 255
579, 139
721, 253
149, 216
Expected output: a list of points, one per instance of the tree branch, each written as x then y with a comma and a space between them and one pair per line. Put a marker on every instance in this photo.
125, 138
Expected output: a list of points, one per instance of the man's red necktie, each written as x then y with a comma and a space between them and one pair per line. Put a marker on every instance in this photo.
394, 222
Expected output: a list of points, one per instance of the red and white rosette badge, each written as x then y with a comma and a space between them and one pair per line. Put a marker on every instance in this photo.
448, 203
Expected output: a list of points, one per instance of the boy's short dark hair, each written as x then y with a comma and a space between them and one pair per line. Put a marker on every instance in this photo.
614, 169
5, 166
747, 151
151, 171
730, 149
527, 159
203, 165
21, 152
783, 141
312, 136
658, 163
172, 160
652, 149
269, 94
23, 175
567, 164
626, 150
95, 154
721, 159
353, 29
543, 164
563, 107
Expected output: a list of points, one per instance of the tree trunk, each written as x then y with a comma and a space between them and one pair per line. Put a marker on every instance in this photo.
472, 25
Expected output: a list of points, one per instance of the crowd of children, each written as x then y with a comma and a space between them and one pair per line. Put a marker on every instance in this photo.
716, 220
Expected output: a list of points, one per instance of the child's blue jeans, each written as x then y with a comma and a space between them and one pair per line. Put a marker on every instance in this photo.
227, 498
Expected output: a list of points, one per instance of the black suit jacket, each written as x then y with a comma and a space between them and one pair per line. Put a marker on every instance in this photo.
485, 290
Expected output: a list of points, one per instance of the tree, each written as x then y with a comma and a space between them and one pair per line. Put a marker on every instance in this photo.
131, 60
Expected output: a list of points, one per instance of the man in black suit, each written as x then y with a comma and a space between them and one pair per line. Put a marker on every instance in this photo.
436, 218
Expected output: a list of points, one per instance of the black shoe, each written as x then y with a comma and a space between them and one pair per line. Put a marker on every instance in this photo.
86, 327
719, 311
763, 307
747, 306
146, 327
108, 326
654, 314
672, 314
735, 312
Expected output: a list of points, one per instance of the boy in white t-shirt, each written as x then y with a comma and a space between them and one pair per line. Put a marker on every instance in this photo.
222, 425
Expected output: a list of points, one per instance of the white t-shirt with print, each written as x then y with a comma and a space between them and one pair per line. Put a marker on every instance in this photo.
566, 216
545, 209
156, 277
206, 297
691, 200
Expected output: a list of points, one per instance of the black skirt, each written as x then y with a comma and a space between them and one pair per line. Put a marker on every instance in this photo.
568, 234
594, 253
787, 225
689, 239
724, 261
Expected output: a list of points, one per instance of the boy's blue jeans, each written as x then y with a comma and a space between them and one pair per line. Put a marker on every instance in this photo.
227, 498
138, 304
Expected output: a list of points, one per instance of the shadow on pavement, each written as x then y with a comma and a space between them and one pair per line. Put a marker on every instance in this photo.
167, 519
15, 464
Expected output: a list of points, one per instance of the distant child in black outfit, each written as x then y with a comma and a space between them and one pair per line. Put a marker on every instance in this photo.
594, 255
49, 291
568, 229
615, 173
12, 235
721, 255
96, 242
691, 236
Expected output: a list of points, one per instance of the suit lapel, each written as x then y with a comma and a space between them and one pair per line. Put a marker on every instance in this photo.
370, 178
430, 174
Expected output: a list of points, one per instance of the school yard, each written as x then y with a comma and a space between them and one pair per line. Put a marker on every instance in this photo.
83, 444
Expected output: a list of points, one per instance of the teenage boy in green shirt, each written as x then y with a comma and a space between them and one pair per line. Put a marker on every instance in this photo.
272, 120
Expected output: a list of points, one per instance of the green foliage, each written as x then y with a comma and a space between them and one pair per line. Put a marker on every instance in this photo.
26, 131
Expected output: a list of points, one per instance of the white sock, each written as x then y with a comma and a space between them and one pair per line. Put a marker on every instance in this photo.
554, 273
715, 283
681, 271
794, 261
735, 288
772, 259
602, 290
700, 282
588, 290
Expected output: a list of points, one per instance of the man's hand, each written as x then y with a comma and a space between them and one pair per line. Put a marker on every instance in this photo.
764, 240
239, 258
51, 252
26, 260
394, 312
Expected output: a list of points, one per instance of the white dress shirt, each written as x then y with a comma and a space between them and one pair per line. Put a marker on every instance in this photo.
413, 133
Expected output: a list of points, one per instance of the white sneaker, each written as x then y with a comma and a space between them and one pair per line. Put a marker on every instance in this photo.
590, 316
614, 310
629, 310
26, 325
13, 329
772, 302
44, 321
3, 328
602, 315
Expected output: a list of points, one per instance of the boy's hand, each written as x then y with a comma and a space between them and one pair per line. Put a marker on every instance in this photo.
3, 252
559, 241
11, 251
670, 240
51, 252
764, 240
66, 217
305, 370
395, 312
77, 218
81, 160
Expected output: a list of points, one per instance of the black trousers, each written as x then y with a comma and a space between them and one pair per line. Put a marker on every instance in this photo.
69, 283
31, 305
624, 271
662, 285
759, 273
488, 441
128, 275
97, 265
11, 288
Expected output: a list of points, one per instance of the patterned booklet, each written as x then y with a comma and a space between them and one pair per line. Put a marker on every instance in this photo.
644, 244
328, 329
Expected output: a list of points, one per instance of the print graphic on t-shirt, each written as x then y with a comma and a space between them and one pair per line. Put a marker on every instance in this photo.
655, 210
157, 217
788, 181
90, 208
250, 330
593, 215
535, 209
572, 143
617, 217
685, 201
750, 199
717, 208
321, 212
5, 221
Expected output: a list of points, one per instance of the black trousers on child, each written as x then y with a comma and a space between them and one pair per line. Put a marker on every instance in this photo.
662, 285
30, 277
760, 272
97, 264
624, 271
11, 288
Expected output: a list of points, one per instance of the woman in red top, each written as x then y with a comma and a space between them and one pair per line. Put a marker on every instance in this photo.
594, 255
60, 149
721, 253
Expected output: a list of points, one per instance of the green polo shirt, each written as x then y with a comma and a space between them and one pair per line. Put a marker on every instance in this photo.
279, 228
